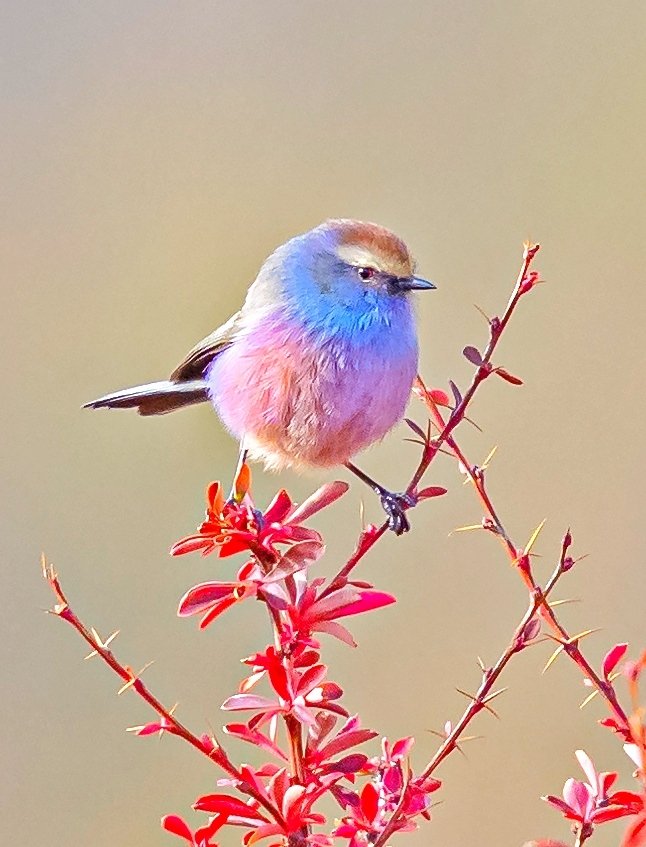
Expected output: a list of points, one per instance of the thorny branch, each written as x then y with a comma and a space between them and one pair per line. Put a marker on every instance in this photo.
208, 746
522, 562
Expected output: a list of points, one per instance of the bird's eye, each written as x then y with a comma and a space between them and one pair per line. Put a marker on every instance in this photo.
366, 273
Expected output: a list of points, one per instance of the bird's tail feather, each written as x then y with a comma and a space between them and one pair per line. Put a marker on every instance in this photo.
155, 398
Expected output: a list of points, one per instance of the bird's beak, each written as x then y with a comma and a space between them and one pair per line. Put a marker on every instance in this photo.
414, 283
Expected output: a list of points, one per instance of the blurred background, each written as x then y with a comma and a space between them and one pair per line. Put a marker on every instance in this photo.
153, 155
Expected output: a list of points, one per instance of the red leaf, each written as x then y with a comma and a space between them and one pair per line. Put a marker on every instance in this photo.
289, 532
299, 556
312, 677
264, 832
232, 545
366, 602
203, 596
153, 728
615, 726
321, 498
369, 802
342, 603
227, 805
277, 786
345, 830
508, 377
204, 833
346, 799
215, 498
457, 397
330, 691
431, 491
247, 701
336, 630
326, 607
561, 805
320, 731
278, 679
174, 824
628, 798
402, 747
345, 741
612, 813
613, 657
252, 777
350, 764
440, 397
190, 544
279, 508
291, 799
473, 355
254, 736
217, 610
308, 658
416, 428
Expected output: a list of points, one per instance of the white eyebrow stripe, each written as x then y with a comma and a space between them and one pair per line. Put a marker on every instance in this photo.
353, 254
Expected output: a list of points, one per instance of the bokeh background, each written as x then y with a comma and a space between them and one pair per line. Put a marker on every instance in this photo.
153, 155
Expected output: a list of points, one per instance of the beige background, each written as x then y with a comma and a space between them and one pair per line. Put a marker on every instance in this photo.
155, 153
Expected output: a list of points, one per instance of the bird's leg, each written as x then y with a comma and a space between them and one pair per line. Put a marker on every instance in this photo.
393, 504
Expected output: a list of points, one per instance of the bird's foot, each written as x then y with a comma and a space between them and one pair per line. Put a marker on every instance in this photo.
395, 505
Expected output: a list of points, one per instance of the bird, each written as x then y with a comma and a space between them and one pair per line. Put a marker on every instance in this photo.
319, 362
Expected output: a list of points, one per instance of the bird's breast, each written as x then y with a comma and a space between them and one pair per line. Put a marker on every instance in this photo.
315, 395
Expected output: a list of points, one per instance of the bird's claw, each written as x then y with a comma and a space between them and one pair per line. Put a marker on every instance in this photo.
395, 505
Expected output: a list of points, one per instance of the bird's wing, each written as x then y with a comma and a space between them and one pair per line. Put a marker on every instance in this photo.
198, 359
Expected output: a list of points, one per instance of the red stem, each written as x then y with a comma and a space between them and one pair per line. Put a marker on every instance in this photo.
570, 646
217, 754
292, 725
490, 675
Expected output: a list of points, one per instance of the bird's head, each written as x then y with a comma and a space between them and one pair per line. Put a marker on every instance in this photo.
340, 266
365, 255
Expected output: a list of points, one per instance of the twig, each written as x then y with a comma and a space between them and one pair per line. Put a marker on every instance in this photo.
522, 563
490, 675
212, 750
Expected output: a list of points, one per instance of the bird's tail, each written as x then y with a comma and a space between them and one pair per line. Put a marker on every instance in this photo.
155, 398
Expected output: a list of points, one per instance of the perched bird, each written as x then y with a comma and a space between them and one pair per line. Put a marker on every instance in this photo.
319, 361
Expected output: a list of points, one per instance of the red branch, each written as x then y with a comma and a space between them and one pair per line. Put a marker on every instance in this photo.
484, 694
207, 746
522, 562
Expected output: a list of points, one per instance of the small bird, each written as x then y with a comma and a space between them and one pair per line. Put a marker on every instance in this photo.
318, 363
